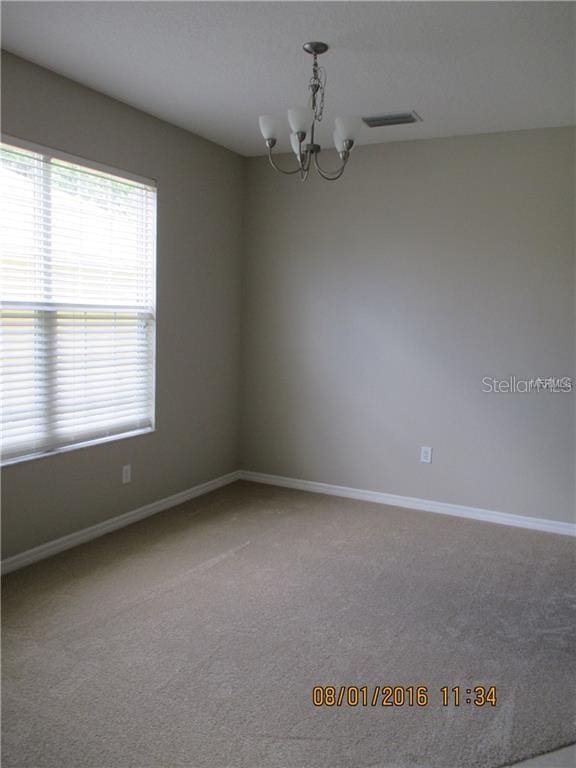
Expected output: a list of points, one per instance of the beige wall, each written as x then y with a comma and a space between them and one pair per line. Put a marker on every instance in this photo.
199, 227
374, 307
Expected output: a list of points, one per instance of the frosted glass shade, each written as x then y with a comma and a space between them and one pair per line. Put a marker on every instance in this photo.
338, 142
300, 119
268, 126
295, 144
349, 127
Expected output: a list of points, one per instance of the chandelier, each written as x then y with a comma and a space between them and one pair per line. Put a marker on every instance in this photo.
303, 122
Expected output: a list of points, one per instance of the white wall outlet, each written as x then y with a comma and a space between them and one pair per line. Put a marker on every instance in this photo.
426, 454
126, 474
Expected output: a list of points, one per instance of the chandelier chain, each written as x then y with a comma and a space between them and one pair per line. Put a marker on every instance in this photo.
317, 88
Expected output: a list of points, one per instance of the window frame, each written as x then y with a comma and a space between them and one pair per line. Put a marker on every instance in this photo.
43, 149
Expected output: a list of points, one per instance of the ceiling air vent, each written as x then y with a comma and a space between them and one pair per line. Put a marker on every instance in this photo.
392, 118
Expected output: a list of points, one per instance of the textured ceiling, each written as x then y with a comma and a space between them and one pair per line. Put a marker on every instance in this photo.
213, 67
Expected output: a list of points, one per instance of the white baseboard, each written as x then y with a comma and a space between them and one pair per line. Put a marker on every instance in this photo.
425, 505
86, 534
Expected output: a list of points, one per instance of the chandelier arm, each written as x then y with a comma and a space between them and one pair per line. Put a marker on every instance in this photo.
304, 160
281, 170
332, 176
307, 162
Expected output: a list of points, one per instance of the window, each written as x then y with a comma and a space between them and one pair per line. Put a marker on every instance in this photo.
77, 311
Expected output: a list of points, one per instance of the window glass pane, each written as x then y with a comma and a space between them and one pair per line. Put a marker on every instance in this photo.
22, 235
77, 293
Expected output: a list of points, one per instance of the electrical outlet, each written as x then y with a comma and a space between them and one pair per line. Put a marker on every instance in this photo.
126, 474
426, 454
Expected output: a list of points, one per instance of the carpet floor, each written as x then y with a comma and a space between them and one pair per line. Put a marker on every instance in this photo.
195, 638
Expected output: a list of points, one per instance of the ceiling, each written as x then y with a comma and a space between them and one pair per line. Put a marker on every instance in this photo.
213, 67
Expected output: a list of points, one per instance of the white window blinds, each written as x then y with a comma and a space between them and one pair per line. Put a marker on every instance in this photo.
77, 293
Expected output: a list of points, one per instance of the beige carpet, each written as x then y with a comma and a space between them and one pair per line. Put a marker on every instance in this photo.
194, 638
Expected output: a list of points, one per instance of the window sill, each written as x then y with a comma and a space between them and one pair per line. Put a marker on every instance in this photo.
75, 447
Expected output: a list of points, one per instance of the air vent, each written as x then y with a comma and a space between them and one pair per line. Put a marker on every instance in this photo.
393, 118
